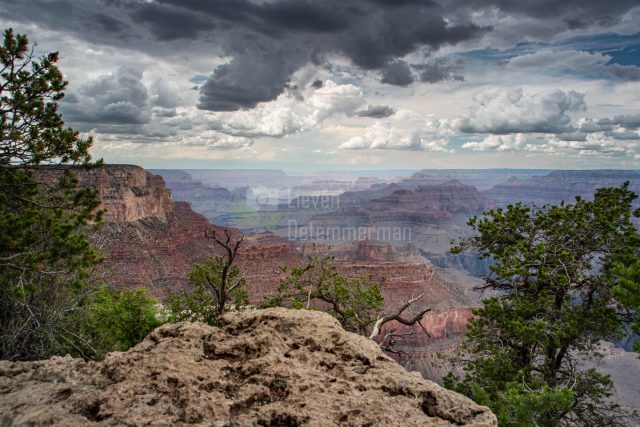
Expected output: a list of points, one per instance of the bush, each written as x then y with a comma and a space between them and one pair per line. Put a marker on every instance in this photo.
354, 301
193, 306
116, 320
216, 286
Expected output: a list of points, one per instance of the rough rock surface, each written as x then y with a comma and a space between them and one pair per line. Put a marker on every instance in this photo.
129, 193
265, 367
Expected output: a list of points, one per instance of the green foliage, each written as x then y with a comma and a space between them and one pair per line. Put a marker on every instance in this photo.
517, 405
201, 302
115, 320
45, 257
627, 292
354, 301
557, 275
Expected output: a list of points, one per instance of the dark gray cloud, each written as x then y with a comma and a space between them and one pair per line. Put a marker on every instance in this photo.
617, 71
171, 23
397, 73
575, 62
305, 16
629, 121
246, 81
164, 112
119, 98
437, 72
623, 135
268, 41
574, 13
572, 136
376, 111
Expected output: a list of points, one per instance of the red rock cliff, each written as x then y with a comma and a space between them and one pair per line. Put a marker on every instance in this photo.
129, 193
150, 241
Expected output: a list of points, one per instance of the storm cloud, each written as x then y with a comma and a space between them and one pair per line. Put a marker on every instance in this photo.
284, 78
268, 41
118, 98
437, 72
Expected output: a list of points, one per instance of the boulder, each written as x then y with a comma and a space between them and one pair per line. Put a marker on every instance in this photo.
259, 368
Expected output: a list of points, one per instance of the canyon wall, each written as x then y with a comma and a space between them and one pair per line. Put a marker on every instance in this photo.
129, 193
560, 185
427, 215
149, 241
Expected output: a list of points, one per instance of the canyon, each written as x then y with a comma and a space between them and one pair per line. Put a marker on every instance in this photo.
558, 186
151, 242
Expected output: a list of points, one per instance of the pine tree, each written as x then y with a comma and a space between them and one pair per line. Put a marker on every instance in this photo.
45, 256
556, 277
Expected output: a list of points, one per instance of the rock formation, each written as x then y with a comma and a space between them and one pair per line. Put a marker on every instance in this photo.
427, 216
271, 367
482, 179
156, 250
129, 193
557, 186
217, 203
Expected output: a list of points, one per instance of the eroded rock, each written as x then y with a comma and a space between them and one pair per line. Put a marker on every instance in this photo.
264, 367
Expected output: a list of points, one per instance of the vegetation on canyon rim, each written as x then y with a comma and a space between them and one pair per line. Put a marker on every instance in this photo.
567, 276
354, 301
48, 299
216, 283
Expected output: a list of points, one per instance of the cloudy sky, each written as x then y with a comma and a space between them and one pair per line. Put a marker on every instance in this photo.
347, 84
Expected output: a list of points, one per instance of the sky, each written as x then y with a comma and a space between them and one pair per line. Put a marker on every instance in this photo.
347, 84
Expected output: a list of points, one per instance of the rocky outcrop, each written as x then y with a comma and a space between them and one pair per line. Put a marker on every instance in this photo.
259, 368
129, 193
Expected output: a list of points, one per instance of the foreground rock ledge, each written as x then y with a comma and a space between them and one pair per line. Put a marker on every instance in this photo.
260, 368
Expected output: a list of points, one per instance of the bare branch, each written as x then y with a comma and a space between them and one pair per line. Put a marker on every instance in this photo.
397, 316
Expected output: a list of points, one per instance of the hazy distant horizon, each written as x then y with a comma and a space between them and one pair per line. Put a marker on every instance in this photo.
390, 170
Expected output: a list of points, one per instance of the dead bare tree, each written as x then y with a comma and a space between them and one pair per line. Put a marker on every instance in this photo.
220, 285
390, 338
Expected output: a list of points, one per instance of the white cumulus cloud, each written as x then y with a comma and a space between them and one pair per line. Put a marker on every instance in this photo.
514, 111
404, 130
288, 115
511, 142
